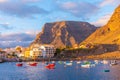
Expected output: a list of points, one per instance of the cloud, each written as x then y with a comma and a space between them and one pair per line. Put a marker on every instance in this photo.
7, 44
3, 1
20, 9
17, 37
30, 1
6, 26
12, 40
83, 10
109, 2
102, 21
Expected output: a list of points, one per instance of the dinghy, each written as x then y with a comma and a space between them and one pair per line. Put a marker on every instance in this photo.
19, 64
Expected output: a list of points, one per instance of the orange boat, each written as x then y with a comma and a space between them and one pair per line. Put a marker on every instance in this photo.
19, 64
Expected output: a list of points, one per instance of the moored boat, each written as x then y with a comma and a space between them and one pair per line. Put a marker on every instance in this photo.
78, 62
68, 63
50, 66
107, 70
85, 65
113, 63
60, 62
33, 64
19, 64
104, 62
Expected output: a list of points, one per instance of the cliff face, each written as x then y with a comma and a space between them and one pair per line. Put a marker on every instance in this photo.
64, 33
108, 34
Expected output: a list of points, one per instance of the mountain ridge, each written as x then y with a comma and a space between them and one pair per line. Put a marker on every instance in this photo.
64, 33
109, 33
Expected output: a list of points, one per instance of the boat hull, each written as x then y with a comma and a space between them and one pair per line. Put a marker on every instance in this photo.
33, 64
50, 66
19, 64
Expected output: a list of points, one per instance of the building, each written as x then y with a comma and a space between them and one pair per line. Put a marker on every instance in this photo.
42, 51
2, 54
47, 50
27, 53
35, 52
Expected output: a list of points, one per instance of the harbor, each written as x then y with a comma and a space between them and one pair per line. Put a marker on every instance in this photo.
63, 70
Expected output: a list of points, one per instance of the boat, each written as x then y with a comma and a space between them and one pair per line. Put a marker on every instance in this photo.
78, 62
50, 66
106, 70
96, 61
71, 61
85, 65
68, 63
19, 64
113, 63
53, 61
33, 64
60, 62
105, 62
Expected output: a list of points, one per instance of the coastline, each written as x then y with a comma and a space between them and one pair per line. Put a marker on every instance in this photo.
106, 56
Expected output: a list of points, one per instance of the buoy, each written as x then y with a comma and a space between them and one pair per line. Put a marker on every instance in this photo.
106, 70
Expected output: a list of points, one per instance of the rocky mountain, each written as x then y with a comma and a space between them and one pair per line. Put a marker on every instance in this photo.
64, 33
109, 33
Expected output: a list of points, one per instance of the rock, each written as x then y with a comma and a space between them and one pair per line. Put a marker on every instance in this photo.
64, 33
109, 33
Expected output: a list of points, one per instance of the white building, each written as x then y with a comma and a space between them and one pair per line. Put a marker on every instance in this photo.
42, 51
47, 50
35, 52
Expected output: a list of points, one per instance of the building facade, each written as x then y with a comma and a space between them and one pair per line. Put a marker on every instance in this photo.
44, 51
47, 50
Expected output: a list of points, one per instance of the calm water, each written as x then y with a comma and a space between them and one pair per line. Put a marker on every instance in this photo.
9, 71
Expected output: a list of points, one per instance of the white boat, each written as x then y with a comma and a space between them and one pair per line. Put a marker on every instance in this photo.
96, 61
53, 61
113, 63
78, 62
105, 62
85, 65
68, 63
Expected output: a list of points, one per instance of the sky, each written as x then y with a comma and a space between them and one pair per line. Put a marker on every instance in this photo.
21, 20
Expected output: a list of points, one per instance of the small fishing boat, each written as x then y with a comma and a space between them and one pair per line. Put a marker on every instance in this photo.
50, 66
53, 61
68, 63
85, 65
60, 62
78, 62
106, 70
71, 61
33, 64
113, 63
96, 61
19, 64
105, 62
